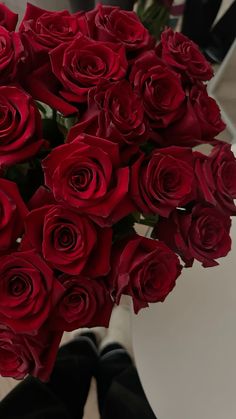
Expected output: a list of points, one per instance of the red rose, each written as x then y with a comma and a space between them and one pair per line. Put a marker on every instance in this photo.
114, 112
85, 303
10, 55
42, 30
163, 180
79, 65
20, 126
28, 291
107, 23
41, 198
68, 241
13, 212
202, 234
207, 113
145, 269
21, 355
160, 88
216, 176
184, 56
200, 123
44, 86
8, 19
87, 175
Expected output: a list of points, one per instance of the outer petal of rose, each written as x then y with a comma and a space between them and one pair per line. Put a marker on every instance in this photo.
103, 315
47, 92
110, 148
21, 155
99, 261
204, 178
11, 18
108, 208
34, 228
89, 125
32, 12
13, 192
49, 164
46, 357
185, 131
41, 197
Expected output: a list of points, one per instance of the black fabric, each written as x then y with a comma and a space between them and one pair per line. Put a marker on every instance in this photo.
110, 348
224, 32
120, 392
197, 24
198, 19
76, 5
32, 400
114, 361
65, 395
126, 398
123, 4
71, 377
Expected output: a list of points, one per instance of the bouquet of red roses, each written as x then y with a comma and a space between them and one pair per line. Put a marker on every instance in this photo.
100, 129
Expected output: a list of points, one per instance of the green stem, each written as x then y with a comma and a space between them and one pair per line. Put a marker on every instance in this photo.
54, 115
141, 7
146, 223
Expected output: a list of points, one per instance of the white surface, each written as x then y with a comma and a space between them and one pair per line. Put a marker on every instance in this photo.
185, 349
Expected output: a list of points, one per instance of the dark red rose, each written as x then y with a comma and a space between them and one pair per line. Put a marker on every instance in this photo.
28, 291
184, 56
20, 126
145, 269
114, 112
79, 65
216, 177
13, 212
87, 175
41, 197
21, 355
202, 234
85, 303
207, 112
68, 241
42, 30
10, 55
163, 180
200, 123
107, 23
8, 19
43, 85
160, 88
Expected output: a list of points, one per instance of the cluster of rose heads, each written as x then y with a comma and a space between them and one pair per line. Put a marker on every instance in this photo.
101, 128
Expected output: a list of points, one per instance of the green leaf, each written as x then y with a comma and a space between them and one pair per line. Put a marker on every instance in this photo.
17, 172
137, 216
66, 123
22, 175
148, 147
44, 109
141, 7
52, 133
154, 17
124, 228
149, 220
